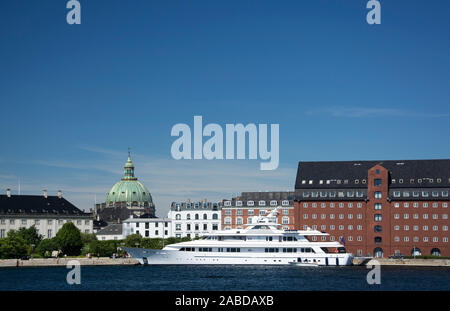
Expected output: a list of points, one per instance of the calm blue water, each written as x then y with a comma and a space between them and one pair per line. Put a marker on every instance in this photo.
219, 278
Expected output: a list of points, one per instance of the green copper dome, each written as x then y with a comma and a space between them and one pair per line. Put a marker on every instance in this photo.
129, 190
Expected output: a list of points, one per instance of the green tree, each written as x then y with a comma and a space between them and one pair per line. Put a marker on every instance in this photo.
133, 239
13, 246
46, 246
87, 238
30, 235
69, 239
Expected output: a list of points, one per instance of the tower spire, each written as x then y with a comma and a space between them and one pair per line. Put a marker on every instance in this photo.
129, 168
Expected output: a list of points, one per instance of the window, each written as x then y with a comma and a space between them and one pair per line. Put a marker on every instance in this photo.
250, 203
178, 227
238, 203
377, 182
227, 212
377, 228
377, 195
177, 217
238, 212
228, 220
227, 203
406, 227
205, 227
215, 216
262, 203
196, 217
377, 217
377, 206
285, 202
396, 194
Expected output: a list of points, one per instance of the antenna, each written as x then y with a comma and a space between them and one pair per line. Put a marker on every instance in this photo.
19, 186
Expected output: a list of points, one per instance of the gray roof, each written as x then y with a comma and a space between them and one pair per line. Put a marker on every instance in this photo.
115, 229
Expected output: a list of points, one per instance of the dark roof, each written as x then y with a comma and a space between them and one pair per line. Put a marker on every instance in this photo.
147, 215
357, 170
38, 205
114, 229
267, 195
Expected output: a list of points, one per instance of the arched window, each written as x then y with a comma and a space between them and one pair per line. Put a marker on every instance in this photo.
378, 252
214, 216
436, 252
205, 216
377, 228
177, 216
188, 216
378, 240
416, 252
196, 216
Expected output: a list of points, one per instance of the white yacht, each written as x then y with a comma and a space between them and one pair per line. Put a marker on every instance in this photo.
262, 242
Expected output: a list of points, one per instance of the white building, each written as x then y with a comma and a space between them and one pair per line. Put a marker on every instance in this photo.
47, 213
111, 232
148, 227
194, 219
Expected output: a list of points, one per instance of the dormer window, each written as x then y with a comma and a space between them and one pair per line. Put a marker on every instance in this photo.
262, 203
250, 203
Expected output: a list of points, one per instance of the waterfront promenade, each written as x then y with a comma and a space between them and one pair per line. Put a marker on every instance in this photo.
105, 261
49, 262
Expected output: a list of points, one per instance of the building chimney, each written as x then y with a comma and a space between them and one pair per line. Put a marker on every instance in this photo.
45, 193
8, 193
59, 194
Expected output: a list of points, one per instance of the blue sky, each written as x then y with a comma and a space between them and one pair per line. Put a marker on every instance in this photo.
73, 98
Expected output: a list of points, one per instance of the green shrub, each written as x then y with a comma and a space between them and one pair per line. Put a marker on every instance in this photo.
69, 239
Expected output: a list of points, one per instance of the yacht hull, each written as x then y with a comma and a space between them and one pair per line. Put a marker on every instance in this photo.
175, 257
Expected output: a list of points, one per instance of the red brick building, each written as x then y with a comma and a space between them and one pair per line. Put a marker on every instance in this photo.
379, 208
237, 212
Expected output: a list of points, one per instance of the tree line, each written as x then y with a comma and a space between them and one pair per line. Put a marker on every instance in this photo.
69, 241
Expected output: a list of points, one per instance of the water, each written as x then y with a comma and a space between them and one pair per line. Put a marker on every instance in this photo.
181, 278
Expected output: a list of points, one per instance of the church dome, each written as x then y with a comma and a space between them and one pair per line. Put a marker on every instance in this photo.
129, 191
